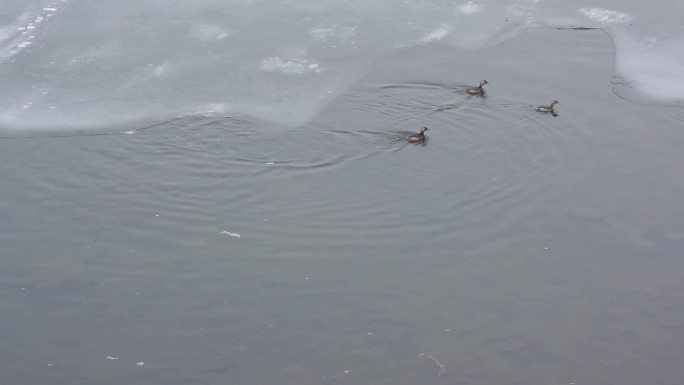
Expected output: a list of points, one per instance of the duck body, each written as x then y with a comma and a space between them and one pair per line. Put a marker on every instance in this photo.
417, 138
477, 90
548, 108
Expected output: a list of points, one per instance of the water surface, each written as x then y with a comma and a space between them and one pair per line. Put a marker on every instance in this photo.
511, 248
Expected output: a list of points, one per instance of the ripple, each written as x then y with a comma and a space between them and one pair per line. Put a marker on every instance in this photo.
483, 160
346, 183
493, 140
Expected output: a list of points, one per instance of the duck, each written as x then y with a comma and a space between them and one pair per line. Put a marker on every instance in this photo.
417, 138
477, 90
548, 108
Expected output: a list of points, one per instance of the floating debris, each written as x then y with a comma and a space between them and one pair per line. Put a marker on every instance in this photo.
112, 358
236, 235
140, 363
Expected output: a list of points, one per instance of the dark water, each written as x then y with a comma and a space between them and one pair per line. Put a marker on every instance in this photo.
511, 248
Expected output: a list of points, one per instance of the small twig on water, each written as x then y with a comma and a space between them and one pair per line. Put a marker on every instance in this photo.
441, 367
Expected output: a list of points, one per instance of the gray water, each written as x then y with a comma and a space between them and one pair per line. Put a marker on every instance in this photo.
511, 248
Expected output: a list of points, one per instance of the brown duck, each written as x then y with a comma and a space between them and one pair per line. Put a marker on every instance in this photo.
419, 137
548, 108
477, 90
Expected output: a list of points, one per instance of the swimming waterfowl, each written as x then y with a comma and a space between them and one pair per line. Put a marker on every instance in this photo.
477, 90
547, 108
416, 138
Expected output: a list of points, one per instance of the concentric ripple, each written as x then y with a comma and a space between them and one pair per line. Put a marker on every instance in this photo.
346, 182
478, 174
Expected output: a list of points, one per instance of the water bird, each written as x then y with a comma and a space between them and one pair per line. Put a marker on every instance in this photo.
419, 137
547, 108
477, 90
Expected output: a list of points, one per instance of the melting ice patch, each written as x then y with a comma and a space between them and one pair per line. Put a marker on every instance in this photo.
209, 110
18, 37
208, 32
159, 70
655, 67
603, 15
292, 66
342, 33
321, 33
469, 8
437, 34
